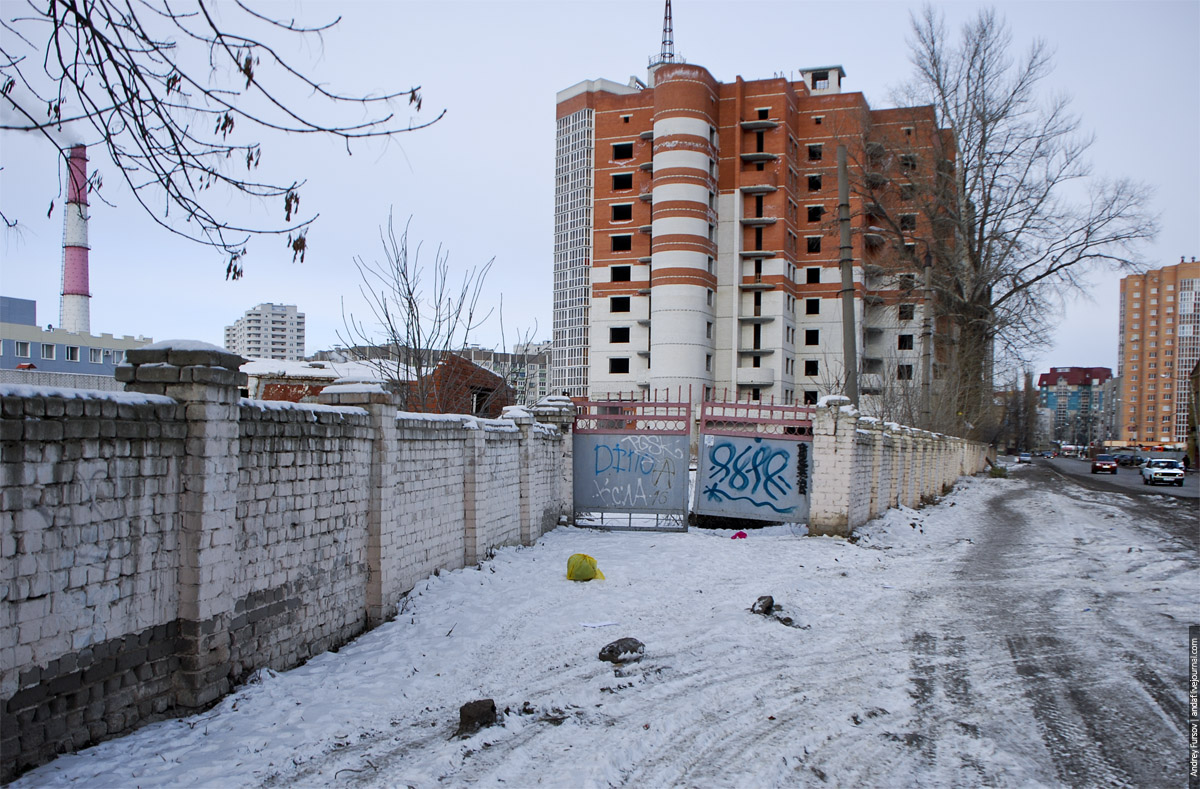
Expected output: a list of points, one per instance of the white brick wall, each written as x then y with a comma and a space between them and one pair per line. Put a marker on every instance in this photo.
862, 467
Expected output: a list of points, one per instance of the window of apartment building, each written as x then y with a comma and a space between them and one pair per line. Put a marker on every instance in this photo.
810, 396
812, 336
908, 221
708, 297
708, 330
48, 350
708, 362
72, 353
812, 244
755, 394
620, 273
904, 372
908, 130
625, 118
908, 161
622, 181
622, 150
618, 334
618, 304
818, 119
814, 183
622, 243
618, 365
815, 212
95, 355
908, 281
710, 264
907, 191
21, 349
906, 311
763, 113
811, 367
812, 306
815, 152
904, 342
622, 212
812, 276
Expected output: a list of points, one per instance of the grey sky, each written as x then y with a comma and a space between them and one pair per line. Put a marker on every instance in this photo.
481, 182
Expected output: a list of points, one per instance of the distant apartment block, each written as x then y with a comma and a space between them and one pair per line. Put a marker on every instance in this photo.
56, 357
269, 331
1159, 345
1076, 398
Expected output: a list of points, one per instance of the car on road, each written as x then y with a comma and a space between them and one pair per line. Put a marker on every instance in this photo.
1162, 472
1024, 457
1104, 463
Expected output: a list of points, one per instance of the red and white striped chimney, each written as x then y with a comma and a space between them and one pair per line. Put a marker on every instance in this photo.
75, 310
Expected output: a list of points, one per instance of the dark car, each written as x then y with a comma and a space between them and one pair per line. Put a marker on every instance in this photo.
1105, 463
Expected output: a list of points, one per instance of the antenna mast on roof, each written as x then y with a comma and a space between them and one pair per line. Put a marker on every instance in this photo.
667, 54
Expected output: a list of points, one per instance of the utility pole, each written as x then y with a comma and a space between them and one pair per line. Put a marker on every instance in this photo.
927, 345
846, 263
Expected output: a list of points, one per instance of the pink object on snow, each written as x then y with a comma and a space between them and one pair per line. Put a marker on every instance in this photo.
739, 536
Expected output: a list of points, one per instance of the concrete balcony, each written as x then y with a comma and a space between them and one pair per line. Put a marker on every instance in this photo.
646, 135
750, 254
759, 125
755, 376
759, 182
759, 221
759, 156
756, 351
752, 319
647, 166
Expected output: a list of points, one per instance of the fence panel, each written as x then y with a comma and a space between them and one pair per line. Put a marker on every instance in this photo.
754, 461
631, 458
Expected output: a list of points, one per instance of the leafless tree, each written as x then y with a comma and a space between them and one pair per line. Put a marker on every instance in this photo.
419, 314
170, 89
1013, 218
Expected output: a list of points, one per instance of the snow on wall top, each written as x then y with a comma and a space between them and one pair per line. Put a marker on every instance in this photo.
284, 405
182, 345
127, 398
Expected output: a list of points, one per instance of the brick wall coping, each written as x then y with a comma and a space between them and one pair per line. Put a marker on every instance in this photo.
127, 398
467, 421
284, 405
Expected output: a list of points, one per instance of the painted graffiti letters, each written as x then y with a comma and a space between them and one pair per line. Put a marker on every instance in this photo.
636, 473
753, 477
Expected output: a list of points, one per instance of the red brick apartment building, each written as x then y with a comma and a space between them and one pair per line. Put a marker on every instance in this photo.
697, 242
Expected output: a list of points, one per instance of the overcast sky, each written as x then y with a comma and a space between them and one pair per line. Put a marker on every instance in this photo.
481, 181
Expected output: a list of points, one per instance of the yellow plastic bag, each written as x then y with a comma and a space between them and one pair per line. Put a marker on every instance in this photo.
581, 567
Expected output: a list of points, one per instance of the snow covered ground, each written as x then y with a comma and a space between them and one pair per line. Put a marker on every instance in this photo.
1021, 632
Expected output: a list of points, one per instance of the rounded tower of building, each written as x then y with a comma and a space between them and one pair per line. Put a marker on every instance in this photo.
75, 308
683, 281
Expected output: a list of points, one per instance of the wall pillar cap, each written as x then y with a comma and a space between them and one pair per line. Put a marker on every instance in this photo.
184, 353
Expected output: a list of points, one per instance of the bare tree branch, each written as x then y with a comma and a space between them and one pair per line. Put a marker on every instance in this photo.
169, 90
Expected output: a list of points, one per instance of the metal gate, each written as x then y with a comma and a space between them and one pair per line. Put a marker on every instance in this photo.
631, 460
754, 461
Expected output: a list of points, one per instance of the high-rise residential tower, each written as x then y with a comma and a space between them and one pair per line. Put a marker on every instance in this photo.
269, 331
697, 242
1159, 346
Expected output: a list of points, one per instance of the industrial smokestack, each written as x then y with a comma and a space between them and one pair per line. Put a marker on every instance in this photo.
75, 309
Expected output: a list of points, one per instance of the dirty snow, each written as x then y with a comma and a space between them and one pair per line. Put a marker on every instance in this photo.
893, 670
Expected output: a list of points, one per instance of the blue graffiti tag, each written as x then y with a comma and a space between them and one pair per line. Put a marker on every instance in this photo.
615, 458
753, 475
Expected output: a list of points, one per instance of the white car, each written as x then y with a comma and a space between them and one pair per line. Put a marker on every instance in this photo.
1164, 472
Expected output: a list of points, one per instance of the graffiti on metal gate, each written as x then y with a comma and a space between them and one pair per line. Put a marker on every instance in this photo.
753, 477
630, 473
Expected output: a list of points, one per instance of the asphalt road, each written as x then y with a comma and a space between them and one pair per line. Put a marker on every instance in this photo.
1126, 480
